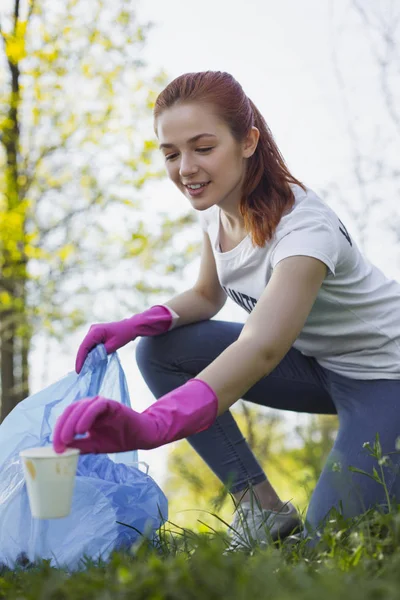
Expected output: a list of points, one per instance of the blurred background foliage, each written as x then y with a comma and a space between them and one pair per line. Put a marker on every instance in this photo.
75, 114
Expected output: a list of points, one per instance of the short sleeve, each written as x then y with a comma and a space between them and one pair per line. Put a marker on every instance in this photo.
309, 233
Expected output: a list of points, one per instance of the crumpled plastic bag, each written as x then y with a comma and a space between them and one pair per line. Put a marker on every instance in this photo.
109, 489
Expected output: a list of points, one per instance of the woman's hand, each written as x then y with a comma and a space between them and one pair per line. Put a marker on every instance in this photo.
110, 427
155, 320
113, 427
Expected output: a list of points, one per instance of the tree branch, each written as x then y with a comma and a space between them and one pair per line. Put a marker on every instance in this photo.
31, 9
16, 16
31, 172
2, 140
353, 137
67, 219
386, 32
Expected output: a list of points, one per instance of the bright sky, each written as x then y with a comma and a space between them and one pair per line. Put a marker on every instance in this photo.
281, 53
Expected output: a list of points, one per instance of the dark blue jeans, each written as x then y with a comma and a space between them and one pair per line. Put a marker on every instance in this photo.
299, 384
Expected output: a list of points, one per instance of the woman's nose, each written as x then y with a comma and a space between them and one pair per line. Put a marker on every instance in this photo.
187, 167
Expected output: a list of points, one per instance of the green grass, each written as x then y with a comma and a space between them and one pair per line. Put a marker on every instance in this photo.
357, 558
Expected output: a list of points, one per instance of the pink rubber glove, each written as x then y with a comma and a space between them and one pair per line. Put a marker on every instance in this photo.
113, 427
157, 319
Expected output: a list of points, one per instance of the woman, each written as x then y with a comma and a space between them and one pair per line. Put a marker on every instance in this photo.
322, 335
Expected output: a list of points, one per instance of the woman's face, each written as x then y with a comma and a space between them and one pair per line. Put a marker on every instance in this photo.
202, 157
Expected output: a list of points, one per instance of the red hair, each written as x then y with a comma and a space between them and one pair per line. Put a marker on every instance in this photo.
266, 193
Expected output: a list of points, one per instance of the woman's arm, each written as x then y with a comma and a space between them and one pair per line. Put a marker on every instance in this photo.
268, 334
206, 298
270, 330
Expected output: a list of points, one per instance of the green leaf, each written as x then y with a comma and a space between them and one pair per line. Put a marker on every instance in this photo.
355, 470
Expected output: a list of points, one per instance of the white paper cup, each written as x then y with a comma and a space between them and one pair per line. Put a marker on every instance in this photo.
50, 479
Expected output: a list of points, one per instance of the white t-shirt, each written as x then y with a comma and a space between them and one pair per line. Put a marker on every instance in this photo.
354, 325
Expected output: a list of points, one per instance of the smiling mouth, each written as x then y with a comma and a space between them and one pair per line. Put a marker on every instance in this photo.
196, 186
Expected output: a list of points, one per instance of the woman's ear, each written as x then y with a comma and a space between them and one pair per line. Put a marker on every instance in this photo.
250, 143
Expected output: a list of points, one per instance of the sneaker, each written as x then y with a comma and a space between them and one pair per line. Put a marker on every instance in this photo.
253, 526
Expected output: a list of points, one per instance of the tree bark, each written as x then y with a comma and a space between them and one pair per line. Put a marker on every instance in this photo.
14, 349
24, 388
7, 365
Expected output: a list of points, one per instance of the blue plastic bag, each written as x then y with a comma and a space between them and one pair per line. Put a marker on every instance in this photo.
109, 489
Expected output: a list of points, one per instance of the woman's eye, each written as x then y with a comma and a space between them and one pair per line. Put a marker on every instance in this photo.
204, 150
171, 156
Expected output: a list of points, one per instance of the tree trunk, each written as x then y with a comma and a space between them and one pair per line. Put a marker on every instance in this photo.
15, 341
7, 365
26, 343
14, 336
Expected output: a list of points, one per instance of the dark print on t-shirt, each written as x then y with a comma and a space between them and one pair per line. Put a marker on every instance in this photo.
245, 301
345, 233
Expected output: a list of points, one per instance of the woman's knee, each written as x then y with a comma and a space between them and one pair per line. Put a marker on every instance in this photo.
146, 350
158, 359
159, 349
195, 344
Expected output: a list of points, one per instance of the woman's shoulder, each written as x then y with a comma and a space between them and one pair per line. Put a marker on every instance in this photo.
308, 206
